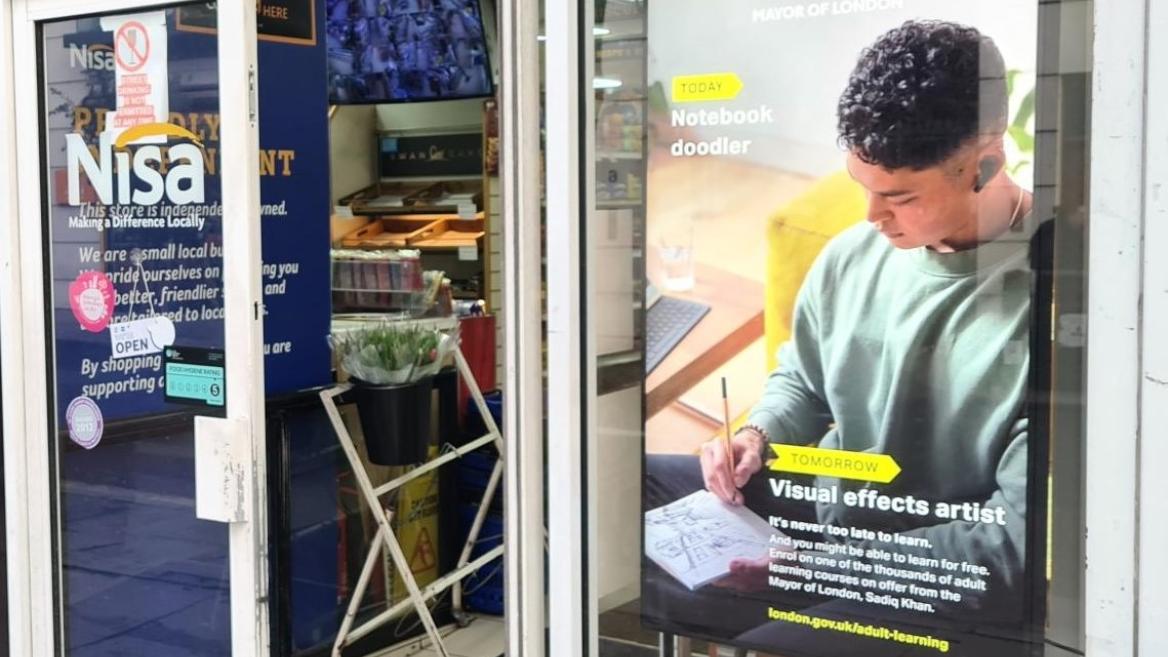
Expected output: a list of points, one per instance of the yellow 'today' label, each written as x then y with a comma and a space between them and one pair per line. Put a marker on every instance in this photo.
877, 468
708, 86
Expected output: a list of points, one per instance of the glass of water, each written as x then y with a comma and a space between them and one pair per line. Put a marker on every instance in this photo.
675, 252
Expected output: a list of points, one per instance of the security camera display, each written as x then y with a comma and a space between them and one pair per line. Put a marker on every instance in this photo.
385, 51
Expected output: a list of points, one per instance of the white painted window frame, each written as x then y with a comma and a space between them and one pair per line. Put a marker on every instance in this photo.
1127, 358
31, 562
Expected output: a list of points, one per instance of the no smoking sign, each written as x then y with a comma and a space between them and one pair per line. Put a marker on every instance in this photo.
132, 46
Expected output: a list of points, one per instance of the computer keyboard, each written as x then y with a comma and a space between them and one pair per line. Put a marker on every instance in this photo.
666, 323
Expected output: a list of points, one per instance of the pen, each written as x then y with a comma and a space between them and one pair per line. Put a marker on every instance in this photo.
726, 416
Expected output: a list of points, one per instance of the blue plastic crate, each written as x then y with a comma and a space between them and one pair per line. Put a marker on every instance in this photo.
484, 588
472, 473
474, 420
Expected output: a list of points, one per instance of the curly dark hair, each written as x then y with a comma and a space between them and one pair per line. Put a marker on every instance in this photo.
920, 92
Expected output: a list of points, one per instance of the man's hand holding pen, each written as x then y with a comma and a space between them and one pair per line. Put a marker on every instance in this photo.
747, 448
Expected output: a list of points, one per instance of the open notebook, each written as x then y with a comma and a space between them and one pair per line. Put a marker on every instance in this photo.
695, 538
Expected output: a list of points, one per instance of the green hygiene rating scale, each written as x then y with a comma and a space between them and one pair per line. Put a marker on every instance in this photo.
195, 376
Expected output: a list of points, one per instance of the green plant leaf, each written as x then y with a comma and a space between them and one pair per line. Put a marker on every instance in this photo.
1017, 166
1011, 76
1023, 139
391, 348
657, 98
1025, 110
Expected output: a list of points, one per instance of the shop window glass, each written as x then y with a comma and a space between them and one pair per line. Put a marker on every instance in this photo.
857, 235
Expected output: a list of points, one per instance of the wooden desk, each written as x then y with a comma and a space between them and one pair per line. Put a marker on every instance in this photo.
734, 321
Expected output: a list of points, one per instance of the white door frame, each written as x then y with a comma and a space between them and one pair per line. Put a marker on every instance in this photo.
19, 558
31, 559
244, 316
571, 205
523, 355
1152, 603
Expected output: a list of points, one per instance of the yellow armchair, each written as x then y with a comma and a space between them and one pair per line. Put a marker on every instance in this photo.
795, 236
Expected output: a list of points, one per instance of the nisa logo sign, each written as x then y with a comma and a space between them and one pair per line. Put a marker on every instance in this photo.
137, 177
98, 57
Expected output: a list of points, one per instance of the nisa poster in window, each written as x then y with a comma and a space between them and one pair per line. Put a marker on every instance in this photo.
132, 158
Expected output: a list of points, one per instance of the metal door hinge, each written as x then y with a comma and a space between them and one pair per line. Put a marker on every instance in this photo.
252, 99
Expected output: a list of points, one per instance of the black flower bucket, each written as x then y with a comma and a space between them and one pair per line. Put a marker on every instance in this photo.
395, 420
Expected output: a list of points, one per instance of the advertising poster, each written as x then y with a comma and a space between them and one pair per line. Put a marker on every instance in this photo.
133, 144
838, 243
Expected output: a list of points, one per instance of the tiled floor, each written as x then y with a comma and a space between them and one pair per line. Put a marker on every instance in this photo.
484, 637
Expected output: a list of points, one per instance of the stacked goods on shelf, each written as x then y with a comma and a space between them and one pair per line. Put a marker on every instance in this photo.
372, 272
385, 281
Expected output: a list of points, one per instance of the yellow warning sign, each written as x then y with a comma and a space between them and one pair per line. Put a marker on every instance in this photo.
424, 558
707, 86
415, 522
877, 468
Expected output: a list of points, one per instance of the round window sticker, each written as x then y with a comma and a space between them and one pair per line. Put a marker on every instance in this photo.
85, 422
91, 297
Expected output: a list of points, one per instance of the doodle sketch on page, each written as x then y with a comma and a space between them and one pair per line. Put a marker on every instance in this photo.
695, 538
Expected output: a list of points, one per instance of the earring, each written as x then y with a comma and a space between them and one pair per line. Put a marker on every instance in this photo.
986, 170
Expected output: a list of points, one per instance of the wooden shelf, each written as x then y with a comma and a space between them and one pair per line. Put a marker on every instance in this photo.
389, 232
618, 205
451, 233
414, 198
620, 155
424, 232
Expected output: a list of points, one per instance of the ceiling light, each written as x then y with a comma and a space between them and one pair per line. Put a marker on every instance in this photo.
596, 31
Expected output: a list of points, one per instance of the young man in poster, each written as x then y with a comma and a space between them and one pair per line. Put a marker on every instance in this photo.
910, 339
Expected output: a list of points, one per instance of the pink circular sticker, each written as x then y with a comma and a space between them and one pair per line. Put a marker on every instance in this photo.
86, 424
91, 297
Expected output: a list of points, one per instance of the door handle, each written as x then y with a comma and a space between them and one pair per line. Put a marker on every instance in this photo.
222, 470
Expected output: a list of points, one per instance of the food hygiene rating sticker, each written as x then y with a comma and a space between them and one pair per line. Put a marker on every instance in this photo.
195, 376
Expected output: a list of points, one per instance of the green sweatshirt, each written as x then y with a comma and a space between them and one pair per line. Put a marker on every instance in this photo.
923, 356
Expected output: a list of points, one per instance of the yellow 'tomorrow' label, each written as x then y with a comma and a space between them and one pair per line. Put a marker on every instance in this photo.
708, 86
877, 468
